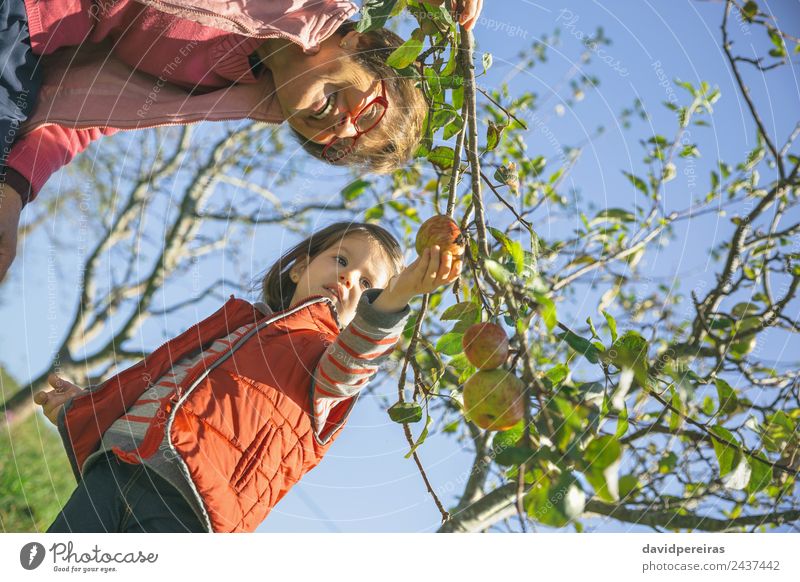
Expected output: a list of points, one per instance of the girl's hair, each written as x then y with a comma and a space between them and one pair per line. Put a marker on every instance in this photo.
277, 287
404, 119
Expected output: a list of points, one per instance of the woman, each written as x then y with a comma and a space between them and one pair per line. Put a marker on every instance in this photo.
143, 63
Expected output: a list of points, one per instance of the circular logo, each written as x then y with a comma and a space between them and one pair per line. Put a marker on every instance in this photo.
31, 555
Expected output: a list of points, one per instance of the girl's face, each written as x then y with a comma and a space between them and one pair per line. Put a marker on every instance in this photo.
343, 272
321, 94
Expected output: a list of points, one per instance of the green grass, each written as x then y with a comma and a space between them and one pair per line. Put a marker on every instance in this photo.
35, 476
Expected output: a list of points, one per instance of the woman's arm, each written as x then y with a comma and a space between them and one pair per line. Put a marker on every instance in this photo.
42, 152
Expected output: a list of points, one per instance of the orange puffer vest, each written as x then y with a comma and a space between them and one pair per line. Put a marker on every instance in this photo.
240, 422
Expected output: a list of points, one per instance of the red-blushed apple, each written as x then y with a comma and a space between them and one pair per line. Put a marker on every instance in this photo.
493, 399
485, 345
443, 231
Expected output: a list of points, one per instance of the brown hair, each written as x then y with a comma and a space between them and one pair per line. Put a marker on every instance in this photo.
277, 287
403, 121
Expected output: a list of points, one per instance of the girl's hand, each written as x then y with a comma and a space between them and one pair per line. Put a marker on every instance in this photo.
52, 401
430, 271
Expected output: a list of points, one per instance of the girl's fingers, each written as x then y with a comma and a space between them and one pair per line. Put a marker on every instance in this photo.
60, 384
433, 265
446, 264
455, 272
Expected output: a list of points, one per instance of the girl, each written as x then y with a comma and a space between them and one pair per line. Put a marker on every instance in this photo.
211, 430
145, 63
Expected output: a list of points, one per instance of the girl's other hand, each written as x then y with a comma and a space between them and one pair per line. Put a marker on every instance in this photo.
52, 401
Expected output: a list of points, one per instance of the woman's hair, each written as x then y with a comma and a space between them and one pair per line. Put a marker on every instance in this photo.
277, 287
403, 120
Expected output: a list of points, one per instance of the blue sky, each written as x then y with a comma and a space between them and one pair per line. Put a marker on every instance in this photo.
364, 483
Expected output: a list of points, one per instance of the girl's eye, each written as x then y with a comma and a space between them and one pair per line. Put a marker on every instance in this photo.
366, 283
341, 260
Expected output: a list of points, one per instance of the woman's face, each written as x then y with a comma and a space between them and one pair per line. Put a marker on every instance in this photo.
343, 272
321, 94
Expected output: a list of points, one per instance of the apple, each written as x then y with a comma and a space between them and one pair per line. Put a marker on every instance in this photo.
493, 399
443, 231
485, 345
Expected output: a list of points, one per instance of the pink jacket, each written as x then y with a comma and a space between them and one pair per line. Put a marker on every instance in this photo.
88, 92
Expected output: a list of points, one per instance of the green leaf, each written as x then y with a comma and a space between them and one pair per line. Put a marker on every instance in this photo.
462, 365
441, 157
512, 247
582, 346
450, 344
498, 272
622, 422
613, 215
504, 446
408, 329
777, 40
493, 133
667, 463
727, 397
374, 14
728, 456
605, 482
405, 412
555, 504
423, 435
547, 309
466, 310
628, 484
443, 117
638, 182
405, 54
760, 474
749, 10
458, 98
453, 127
487, 61
602, 452
676, 418
374, 213
630, 351
592, 328
612, 325
557, 374
354, 189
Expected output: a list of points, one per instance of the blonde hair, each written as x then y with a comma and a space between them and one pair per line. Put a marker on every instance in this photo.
277, 287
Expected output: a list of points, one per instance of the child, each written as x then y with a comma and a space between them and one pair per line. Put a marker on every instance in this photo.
211, 430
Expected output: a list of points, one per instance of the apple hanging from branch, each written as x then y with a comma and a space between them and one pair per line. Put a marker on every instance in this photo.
485, 345
493, 399
443, 231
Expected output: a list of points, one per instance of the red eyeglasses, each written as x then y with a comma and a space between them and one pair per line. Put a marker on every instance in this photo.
364, 121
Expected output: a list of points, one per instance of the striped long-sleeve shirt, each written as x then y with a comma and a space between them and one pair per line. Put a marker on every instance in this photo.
354, 358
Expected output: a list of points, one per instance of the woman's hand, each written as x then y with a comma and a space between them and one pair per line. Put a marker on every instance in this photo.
52, 401
466, 12
430, 271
